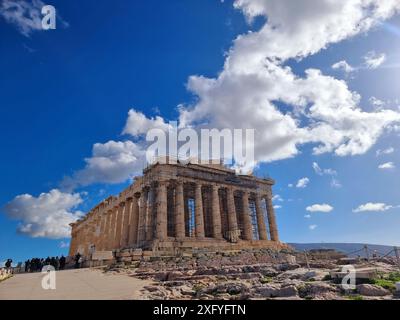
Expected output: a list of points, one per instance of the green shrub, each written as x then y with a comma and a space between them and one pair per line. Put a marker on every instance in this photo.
385, 283
394, 277
266, 280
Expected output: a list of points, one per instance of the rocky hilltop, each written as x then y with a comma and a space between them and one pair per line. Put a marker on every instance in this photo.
261, 274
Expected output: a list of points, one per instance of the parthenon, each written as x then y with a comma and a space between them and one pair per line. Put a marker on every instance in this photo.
182, 206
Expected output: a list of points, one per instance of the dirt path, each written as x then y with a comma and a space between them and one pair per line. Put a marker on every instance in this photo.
82, 284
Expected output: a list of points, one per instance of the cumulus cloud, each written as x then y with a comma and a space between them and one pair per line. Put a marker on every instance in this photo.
307, 216
387, 166
373, 60
302, 183
313, 227
138, 124
324, 111
373, 207
25, 15
111, 162
45, 216
343, 66
326, 208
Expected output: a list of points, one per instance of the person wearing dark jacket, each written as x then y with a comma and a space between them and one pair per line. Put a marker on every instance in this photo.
77, 260
8, 263
62, 262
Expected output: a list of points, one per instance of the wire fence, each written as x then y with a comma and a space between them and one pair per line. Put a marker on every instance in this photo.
368, 254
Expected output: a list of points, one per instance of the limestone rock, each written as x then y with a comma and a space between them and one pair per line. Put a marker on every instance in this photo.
371, 290
289, 291
316, 289
268, 290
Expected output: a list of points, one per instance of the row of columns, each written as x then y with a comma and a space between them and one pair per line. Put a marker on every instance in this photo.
131, 222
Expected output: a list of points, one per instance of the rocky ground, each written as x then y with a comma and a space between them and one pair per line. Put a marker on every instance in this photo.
259, 274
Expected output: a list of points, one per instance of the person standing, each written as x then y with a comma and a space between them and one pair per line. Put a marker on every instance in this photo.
8, 264
62, 262
77, 260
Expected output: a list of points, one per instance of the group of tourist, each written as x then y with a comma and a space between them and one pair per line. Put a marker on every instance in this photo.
8, 264
37, 264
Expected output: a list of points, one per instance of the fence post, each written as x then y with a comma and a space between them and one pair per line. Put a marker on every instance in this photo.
308, 264
366, 252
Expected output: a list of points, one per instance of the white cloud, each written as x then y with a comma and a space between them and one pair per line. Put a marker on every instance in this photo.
25, 15
111, 162
380, 152
387, 166
373, 207
335, 183
326, 208
63, 244
318, 170
138, 124
307, 216
302, 183
344, 66
277, 207
313, 227
377, 103
46, 216
277, 197
373, 60
324, 111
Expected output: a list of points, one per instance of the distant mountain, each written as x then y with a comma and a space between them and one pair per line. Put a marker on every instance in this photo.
352, 249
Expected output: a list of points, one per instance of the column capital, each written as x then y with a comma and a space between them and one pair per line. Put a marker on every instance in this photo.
163, 183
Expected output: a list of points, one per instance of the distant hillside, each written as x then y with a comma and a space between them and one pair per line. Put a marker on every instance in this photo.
347, 248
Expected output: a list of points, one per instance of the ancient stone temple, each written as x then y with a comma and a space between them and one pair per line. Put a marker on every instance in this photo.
182, 206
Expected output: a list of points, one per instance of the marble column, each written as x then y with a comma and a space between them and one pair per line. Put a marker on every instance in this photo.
104, 230
180, 211
112, 228
97, 232
150, 202
108, 245
118, 226
125, 223
216, 213
161, 218
99, 245
142, 217
199, 214
134, 222
248, 231
232, 219
262, 230
273, 229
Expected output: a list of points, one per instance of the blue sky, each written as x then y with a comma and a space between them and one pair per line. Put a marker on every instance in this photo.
64, 90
